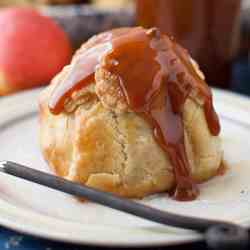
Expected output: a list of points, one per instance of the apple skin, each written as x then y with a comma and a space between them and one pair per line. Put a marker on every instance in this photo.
33, 49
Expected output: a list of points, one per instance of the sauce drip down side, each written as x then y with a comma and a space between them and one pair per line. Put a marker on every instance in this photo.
156, 77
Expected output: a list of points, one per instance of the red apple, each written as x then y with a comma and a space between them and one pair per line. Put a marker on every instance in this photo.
33, 49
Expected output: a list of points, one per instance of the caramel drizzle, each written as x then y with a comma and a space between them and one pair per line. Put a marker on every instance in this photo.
156, 77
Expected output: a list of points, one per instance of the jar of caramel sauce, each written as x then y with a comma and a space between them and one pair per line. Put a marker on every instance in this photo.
209, 29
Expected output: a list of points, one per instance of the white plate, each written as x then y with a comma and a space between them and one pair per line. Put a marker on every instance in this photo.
39, 211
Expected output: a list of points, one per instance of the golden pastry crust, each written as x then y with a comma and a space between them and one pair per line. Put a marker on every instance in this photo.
98, 141
95, 146
109, 92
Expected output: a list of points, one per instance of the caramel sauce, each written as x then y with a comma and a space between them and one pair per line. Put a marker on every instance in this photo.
156, 77
82, 72
222, 168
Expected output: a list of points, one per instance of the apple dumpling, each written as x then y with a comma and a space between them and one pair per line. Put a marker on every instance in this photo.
132, 115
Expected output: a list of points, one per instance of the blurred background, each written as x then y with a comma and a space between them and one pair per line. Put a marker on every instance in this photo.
216, 33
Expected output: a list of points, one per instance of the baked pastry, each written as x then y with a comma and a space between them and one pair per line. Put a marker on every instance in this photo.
131, 115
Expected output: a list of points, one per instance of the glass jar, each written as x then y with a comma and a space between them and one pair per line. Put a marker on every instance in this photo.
209, 29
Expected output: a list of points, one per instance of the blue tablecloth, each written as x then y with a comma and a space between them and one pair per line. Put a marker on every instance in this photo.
12, 240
